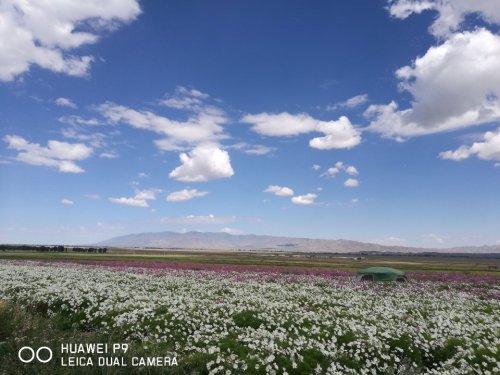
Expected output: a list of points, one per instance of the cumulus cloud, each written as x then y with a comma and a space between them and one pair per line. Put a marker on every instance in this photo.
351, 170
451, 13
454, 85
60, 155
200, 133
65, 102
339, 167
350, 103
316, 167
281, 124
333, 171
140, 199
280, 191
337, 134
186, 99
130, 201
46, 34
203, 126
67, 202
185, 195
351, 182
304, 200
206, 162
487, 150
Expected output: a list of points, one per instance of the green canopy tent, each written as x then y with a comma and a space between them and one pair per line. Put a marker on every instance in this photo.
381, 274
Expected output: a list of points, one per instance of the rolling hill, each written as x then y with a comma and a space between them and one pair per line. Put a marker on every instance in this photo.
225, 241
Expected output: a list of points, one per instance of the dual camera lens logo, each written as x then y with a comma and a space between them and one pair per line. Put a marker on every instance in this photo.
27, 354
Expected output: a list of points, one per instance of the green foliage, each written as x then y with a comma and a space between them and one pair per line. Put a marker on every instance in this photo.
312, 358
7, 325
410, 350
20, 327
348, 362
444, 352
247, 318
231, 343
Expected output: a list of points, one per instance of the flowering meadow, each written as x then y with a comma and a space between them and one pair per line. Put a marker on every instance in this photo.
258, 321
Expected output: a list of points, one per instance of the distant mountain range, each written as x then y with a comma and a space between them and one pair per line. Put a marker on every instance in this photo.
225, 241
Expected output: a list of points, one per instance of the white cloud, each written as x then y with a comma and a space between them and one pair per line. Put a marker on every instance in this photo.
67, 202
95, 139
78, 120
148, 194
130, 202
65, 102
451, 13
142, 175
461, 153
487, 150
351, 170
281, 124
331, 172
185, 195
140, 199
351, 182
257, 150
203, 126
304, 200
185, 99
350, 103
316, 167
280, 191
46, 34
251, 149
60, 155
109, 155
454, 85
206, 162
340, 166
337, 134
232, 231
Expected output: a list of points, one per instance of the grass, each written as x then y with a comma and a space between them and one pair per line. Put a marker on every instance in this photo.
440, 263
21, 327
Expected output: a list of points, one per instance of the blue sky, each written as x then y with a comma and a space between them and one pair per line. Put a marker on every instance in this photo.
365, 120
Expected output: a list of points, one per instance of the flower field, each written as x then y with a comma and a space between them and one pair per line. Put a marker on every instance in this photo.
270, 322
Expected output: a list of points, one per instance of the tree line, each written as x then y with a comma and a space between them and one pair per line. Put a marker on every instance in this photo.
54, 249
